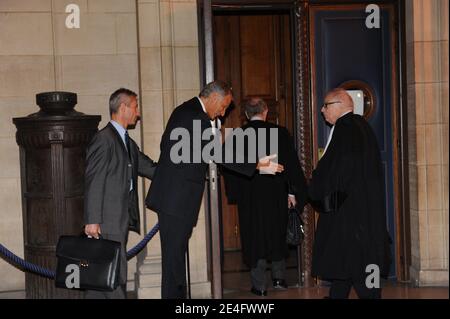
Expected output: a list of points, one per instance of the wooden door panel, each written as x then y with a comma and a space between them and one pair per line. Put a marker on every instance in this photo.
257, 57
230, 224
252, 53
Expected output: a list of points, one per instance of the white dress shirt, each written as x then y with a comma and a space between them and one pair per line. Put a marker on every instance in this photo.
331, 135
213, 122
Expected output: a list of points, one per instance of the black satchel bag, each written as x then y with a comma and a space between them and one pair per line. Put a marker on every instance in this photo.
87, 263
295, 232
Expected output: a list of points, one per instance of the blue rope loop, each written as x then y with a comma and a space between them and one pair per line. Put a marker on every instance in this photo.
24, 265
136, 249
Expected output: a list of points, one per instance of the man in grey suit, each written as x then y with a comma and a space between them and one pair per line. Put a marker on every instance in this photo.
113, 163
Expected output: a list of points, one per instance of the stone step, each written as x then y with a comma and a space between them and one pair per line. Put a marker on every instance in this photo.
148, 280
149, 293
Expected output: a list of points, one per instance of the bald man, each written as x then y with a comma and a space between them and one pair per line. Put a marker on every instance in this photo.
347, 190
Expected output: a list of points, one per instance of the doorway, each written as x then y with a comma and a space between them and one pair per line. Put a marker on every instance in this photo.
252, 52
288, 33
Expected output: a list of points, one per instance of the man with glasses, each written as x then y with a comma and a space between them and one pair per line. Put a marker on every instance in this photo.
348, 183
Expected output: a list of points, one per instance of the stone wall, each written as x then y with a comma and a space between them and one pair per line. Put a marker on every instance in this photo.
151, 47
38, 53
428, 105
169, 65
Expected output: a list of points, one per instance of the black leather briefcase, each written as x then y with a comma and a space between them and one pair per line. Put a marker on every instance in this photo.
87, 263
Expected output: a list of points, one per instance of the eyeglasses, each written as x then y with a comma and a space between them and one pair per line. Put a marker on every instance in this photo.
325, 105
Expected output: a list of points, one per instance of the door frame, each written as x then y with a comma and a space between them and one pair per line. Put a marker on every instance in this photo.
303, 121
298, 11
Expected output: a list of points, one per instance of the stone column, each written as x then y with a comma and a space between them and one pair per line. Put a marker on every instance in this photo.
95, 60
169, 73
427, 73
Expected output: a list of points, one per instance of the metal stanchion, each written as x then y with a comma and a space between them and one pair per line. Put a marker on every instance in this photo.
299, 265
188, 274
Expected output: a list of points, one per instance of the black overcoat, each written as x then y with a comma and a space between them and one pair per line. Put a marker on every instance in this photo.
355, 235
262, 199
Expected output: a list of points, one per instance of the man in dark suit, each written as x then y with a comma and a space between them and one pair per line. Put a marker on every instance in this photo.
176, 191
113, 163
348, 183
263, 200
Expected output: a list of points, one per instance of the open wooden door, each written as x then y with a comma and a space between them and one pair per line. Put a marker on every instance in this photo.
253, 53
262, 50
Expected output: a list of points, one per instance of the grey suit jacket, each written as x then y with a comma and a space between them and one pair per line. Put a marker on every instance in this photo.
108, 200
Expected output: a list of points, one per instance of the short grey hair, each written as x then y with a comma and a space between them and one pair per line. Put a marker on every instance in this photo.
216, 87
255, 106
119, 96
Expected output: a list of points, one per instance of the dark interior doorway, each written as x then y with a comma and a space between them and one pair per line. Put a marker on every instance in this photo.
252, 52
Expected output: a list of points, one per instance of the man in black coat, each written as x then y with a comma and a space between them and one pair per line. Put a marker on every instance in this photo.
348, 183
113, 163
263, 200
177, 188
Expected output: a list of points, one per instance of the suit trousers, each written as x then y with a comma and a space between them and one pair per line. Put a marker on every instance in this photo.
340, 289
258, 273
174, 232
121, 291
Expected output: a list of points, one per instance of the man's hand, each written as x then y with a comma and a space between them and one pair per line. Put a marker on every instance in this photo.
266, 166
292, 202
92, 230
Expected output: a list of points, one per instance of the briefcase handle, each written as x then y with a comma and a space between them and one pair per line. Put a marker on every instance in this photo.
83, 235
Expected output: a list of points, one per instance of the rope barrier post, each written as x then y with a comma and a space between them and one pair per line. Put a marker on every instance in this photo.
299, 265
188, 273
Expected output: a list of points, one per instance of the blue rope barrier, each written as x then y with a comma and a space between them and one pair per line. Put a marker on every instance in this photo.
25, 265
136, 249
44, 272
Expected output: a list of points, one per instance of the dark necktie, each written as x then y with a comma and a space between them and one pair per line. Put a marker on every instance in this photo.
127, 142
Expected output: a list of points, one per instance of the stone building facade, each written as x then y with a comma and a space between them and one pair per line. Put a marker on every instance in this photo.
152, 47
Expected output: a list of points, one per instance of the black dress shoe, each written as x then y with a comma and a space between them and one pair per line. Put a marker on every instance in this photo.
258, 292
279, 284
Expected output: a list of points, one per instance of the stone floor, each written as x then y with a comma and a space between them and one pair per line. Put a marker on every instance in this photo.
236, 285
397, 291
392, 291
